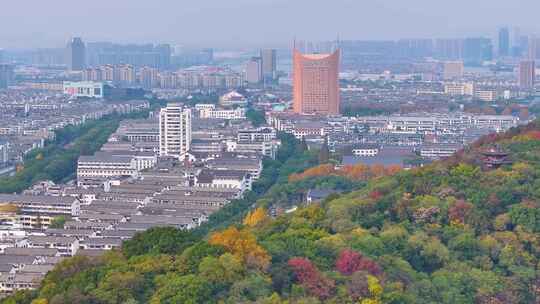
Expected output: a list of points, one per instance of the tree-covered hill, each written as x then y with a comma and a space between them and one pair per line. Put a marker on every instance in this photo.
452, 232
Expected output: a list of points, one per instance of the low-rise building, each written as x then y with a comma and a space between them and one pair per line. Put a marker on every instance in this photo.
88, 89
12, 282
459, 89
37, 212
487, 95
252, 166
265, 148
105, 165
101, 243
229, 114
365, 150
436, 151
257, 135
233, 98
67, 246
240, 180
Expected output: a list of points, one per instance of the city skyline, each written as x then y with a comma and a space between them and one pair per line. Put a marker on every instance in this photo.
275, 22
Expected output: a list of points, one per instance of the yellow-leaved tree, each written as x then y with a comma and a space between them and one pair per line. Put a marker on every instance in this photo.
255, 217
375, 290
243, 245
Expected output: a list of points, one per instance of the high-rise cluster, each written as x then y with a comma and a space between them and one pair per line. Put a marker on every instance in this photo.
262, 69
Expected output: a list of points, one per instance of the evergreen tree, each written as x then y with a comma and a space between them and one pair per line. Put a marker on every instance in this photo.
302, 146
324, 154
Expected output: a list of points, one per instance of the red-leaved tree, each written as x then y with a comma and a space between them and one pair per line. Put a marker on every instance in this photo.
309, 276
350, 261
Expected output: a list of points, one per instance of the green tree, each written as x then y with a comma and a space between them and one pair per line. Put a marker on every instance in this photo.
251, 289
256, 117
221, 271
324, 153
162, 240
189, 289
58, 222
119, 287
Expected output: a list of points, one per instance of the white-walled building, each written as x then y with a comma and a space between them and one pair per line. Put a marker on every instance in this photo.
84, 89
67, 246
239, 113
174, 131
459, 89
365, 150
38, 211
257, 135
436, 151
228, 179
105, 165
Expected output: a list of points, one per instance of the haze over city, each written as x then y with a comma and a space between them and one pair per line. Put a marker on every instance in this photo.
269, 152
254, 23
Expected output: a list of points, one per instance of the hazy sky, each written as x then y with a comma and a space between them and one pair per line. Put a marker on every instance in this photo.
49, 23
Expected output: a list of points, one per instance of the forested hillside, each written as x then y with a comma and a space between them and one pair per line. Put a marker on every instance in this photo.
452, 232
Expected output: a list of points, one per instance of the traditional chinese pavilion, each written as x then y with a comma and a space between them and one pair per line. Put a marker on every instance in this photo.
495, 157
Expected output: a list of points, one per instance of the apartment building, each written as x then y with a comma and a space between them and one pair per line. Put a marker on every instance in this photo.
174, 131
105, 165
67, 246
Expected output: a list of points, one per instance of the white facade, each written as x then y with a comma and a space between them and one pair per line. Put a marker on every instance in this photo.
84, 89
414, 124
205, 106
438, 151
225, 180
233, 98
38, 211
487, 95
266, 148
67, 246
98, 167
239, 113
143, 162
365, 151
257, 135
174, 131
459, 89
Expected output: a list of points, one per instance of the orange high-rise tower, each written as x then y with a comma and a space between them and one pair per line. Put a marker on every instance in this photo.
316, 83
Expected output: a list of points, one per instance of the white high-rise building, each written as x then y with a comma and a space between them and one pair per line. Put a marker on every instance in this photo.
174, 131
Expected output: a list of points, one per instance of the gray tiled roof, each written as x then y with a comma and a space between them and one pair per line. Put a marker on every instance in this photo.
31, 251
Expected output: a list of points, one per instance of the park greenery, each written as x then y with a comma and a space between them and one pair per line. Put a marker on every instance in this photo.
255, 116
450, 232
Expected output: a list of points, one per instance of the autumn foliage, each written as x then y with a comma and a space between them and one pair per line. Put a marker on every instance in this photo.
459, 211
243, 245
358, 172
531, 135
255, 217
350, 261
311, 278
